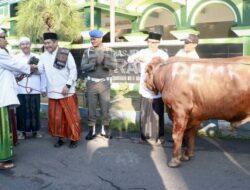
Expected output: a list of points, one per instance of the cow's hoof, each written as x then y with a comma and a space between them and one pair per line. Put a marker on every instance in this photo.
174, 163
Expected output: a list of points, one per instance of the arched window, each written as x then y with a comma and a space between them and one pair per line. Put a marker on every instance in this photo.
162, 21
211, 25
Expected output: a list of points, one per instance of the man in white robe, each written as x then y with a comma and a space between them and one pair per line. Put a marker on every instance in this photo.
60, 70
8, 97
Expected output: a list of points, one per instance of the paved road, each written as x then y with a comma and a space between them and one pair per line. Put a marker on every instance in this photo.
123, 164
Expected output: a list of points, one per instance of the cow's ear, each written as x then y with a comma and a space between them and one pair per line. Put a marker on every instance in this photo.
154, 90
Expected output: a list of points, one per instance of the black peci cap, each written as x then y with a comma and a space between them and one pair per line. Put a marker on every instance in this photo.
50, 35
154, 36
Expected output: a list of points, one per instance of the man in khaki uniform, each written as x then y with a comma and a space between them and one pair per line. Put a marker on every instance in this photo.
98, 61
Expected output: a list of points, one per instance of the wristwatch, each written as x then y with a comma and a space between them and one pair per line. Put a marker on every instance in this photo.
68, 86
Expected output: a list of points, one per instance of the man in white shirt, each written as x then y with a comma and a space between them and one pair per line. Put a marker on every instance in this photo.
190, 43
152, 106
8, 97
189, 50
29, 89
60, 70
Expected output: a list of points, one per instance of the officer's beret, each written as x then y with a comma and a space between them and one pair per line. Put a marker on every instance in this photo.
96, 34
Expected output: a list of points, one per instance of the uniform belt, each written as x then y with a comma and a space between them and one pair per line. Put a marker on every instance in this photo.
98, 79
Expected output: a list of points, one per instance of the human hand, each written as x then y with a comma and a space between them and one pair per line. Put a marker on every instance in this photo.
99, 59
20, 77
33, 68
44, 94
65, 90
139, 60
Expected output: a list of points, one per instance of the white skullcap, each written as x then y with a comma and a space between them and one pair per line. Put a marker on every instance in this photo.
24, 40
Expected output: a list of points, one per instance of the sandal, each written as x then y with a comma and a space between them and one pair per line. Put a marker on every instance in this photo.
59, 143
6, 165
73, 144
37, 135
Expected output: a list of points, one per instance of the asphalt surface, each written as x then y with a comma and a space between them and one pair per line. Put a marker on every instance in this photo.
124, 164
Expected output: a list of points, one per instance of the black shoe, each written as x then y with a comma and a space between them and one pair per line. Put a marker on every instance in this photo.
90, 135
143, 141
107, 136
144, 137
37, 135
107, 132
73, 144
59, 143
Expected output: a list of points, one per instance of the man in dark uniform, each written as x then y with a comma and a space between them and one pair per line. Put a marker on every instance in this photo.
98, 61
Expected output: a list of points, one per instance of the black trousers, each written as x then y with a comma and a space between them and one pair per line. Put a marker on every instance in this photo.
28, 113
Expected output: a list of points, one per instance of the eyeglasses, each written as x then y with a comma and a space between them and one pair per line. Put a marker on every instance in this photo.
153, 42
188, 42
3, 37
93, 39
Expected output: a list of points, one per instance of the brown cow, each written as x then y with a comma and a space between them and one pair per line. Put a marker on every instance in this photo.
197, 90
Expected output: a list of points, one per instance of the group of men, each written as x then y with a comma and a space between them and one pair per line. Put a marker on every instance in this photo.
54, 74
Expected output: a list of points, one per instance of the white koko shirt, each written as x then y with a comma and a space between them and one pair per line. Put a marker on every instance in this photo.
192, 54
58, 78
8, 92
146, 55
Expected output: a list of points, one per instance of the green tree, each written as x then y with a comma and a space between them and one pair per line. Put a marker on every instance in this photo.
34, 17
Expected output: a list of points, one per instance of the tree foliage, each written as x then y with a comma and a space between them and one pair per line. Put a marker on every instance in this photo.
34, 17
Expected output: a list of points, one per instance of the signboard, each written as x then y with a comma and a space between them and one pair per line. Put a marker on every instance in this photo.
129, 72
